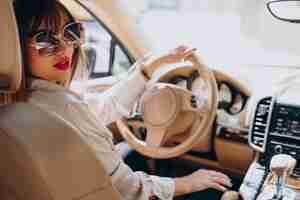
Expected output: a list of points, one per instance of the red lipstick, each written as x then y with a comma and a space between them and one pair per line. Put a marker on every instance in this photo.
63, 65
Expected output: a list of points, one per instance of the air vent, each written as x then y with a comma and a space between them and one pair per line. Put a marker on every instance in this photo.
260, 124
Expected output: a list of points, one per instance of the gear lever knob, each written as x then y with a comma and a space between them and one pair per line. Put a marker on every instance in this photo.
281, 165
231, 195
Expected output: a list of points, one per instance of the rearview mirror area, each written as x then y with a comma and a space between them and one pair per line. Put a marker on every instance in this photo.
285, 10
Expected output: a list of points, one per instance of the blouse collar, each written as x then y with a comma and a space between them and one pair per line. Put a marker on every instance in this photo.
39, 84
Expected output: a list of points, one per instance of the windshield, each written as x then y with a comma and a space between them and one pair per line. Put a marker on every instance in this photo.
226, 33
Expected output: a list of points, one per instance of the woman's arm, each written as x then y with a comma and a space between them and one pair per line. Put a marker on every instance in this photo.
141, 186
118, 101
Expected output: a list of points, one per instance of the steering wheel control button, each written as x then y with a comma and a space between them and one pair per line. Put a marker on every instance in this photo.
194, 101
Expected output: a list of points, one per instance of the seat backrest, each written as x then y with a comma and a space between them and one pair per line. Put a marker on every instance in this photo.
42, 156
10, 53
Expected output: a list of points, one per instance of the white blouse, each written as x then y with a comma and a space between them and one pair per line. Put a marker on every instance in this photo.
90, 114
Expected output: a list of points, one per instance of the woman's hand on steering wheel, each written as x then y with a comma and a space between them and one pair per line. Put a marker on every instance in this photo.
179, 54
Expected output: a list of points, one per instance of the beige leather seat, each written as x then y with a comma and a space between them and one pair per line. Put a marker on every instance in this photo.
42, 157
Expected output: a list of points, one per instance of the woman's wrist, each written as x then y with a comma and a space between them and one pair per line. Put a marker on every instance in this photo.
149, 65
182, 186
143, 64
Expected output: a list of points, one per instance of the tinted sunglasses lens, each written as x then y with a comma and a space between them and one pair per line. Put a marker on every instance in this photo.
45, 43
72, 32
47, 51
44, 40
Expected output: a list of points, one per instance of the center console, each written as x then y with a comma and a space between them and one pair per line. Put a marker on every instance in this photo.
275, 135
276, 130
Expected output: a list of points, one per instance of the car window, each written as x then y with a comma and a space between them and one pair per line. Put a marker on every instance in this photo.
97, 45
105, 57
235, 32
121, 62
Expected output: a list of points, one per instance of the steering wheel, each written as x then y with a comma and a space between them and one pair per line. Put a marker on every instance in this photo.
168, 110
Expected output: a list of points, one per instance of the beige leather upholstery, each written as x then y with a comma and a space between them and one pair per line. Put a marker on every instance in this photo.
10, 54
42, 156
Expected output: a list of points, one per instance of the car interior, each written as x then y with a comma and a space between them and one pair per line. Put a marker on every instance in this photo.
42, 164
190, 117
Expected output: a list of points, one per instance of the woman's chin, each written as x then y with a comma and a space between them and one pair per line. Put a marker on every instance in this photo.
62, 79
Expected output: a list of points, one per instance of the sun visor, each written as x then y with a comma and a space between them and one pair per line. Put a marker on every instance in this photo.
77, 10
10, 50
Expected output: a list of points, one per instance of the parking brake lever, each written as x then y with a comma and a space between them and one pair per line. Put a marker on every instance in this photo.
282, 165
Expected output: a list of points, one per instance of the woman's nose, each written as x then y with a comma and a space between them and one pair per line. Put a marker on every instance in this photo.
61, 48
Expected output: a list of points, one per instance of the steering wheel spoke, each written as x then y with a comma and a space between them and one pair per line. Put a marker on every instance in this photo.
155, 136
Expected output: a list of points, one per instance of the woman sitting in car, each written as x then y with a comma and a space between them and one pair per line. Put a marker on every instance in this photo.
52, 40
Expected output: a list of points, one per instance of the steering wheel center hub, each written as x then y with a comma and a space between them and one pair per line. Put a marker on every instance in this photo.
160, 105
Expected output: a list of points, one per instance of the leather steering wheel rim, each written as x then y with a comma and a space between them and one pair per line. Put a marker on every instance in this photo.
200, 126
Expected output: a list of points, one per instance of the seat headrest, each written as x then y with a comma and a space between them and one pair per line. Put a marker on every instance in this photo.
10, 50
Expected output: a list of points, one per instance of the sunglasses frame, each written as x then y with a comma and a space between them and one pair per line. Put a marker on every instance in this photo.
60, 39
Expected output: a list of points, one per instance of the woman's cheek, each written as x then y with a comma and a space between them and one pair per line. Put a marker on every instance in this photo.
35, 62
69, 53
40, 66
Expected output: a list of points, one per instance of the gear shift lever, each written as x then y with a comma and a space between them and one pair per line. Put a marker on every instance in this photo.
281, 166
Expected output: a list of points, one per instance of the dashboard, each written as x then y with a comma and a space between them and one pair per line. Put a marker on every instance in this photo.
275, 130
228, 138
275, 126
232, 104
231, 100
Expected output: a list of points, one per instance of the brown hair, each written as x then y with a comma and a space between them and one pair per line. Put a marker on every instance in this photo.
30, 15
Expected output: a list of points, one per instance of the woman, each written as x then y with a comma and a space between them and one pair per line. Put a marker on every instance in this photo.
51, 41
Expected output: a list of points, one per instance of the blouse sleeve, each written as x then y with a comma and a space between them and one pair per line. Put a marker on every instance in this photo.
141, 186
118, 100
130, 185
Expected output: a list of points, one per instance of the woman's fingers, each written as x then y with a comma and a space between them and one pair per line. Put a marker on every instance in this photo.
181, 52
222, 181
180, 49
204, 179
218, 186
218, 174
220, 178
176, 55
222, 175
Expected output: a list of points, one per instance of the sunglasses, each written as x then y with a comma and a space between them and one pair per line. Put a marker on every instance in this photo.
47, 43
